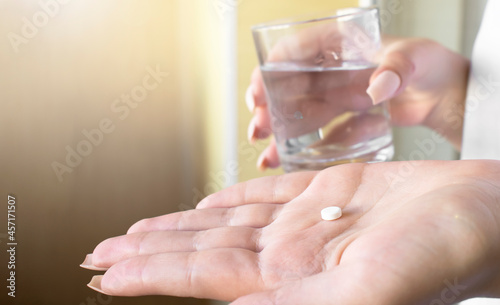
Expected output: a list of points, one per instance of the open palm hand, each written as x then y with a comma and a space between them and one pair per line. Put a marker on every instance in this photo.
401, 240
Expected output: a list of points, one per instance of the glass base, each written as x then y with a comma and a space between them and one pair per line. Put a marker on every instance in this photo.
383, 154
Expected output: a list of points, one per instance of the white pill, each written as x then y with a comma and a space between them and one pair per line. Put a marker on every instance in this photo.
331, 213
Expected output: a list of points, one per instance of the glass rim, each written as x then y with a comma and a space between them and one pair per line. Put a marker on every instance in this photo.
308, 18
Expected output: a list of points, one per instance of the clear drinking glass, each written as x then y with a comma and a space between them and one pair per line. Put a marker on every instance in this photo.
316, 71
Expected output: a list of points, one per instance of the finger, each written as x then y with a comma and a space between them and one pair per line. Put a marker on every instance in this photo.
393, 75
249, 99
258, 89
260, 125
409, 60
114, 250
384, 86
269, 157
254, 215
223, 274
276, 190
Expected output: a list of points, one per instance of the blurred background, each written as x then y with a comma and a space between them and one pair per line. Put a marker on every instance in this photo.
113, 111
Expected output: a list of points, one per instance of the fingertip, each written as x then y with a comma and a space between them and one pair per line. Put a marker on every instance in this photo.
96, 284
136, 227
251, 131
268, 159
396, 70
260, 124
384, 86
121, 279
204, 203
273, 163
249, 99
88, 263
272, 156
262, 163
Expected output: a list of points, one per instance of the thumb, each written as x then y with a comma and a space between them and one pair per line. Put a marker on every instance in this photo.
392, 76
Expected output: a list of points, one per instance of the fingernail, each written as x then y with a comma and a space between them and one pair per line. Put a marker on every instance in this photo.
262, 163
384, 86
95, 283
249, 99
88, 264
251, 131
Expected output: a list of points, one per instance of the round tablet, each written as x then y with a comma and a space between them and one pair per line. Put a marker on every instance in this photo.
331, 213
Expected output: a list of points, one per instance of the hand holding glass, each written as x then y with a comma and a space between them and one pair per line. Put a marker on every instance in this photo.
316, 73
